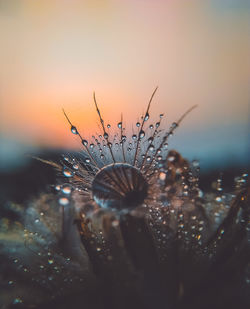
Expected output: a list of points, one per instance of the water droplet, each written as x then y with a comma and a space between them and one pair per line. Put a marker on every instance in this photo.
146, 117
195, 163
119, 125
87, 160
50, 261
74, 130
161, 115
138, 124
148, 158
142, 134
58, 188
107, 192
91, 145
157, 124
165, 146
162, 176
218, 199
134, 136
151, 127
17, 300
105, 135
151, 148
102, 156
66, 189
174, 125
10, 282
171, 159
67, 173
75, 166
85, 142
63, 201
108, 126
37, 220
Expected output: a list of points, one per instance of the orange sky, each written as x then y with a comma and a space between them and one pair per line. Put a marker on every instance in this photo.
55, 53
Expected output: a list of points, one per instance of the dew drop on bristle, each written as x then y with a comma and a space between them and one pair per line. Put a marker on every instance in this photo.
66, 189
75, 166
85, 142
74, 130
119, 186
119, 125
63, 201
146, 117
67, 173
134, 137
138, 124
141, 134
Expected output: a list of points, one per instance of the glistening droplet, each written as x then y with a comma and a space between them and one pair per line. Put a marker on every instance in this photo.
120, 186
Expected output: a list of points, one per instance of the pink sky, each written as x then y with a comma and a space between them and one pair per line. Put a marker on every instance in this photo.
55, 53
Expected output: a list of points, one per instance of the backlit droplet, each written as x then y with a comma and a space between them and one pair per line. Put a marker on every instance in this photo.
85, 142
142, 134
127, 192
134, 136
119, 125
50, 261
17, 300
67, 173
108, 126
75, 166
174, 125
138, 124
146, 117
105, 135
74, 130
63, 201
162, 176
66, 189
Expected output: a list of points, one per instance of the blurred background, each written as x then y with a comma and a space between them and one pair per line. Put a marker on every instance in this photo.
55, 53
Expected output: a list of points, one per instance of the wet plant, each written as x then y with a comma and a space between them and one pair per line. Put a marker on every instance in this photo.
129, 227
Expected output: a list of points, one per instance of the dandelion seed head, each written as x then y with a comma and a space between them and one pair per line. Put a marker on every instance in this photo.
129, 206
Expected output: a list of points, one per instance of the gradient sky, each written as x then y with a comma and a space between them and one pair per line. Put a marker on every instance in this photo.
54, 53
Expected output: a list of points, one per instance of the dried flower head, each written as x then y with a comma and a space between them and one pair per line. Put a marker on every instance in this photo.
132, 229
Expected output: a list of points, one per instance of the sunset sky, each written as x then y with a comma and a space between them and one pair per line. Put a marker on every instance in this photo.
55, 53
